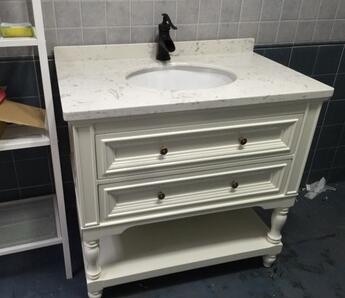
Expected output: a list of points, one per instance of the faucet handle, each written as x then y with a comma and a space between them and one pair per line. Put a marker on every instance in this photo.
167, 21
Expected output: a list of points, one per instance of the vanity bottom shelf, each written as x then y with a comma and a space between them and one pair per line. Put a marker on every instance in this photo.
162, 248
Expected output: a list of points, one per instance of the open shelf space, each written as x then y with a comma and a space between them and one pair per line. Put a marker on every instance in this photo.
19, 137
28, 224
167, 247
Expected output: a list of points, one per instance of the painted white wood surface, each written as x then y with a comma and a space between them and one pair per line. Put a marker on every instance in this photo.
117, 188
28, 224
140, 150
18, 42
18, 138
191, 192
54, 148
162, 248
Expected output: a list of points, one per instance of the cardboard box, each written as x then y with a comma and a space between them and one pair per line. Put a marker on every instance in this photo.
20, 114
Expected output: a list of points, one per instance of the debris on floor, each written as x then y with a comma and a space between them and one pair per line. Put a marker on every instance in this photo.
316, 188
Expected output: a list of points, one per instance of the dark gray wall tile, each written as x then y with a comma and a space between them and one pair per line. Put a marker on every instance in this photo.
328, 59
9, 195
339, 160
303, 59
19, 77
280, 55
323, 159
8, 179
335, 112
326, 79
329, 136
33, 172
34, 191
339, 87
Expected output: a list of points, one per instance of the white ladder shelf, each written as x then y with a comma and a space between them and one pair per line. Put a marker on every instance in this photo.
19, 137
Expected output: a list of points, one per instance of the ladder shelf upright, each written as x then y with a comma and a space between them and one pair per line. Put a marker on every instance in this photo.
41, 221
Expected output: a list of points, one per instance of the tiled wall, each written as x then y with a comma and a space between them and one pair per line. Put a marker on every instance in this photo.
71, 22
325, 63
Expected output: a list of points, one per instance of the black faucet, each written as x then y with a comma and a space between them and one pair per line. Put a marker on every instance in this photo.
165, 43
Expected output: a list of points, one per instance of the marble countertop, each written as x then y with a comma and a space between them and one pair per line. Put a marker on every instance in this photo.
93, 85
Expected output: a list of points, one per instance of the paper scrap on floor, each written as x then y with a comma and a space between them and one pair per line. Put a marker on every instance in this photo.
317, 188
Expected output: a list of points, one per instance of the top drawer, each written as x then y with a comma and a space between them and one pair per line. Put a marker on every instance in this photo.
170, 146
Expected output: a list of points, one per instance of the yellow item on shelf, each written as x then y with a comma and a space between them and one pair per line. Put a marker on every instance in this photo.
16, 30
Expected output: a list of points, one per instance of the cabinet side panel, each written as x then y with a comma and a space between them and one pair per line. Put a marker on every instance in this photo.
84, 160
311, 117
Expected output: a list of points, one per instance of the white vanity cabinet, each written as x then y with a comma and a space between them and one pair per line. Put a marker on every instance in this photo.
172, 187
128, 187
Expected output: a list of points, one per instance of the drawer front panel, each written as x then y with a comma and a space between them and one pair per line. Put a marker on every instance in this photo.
199, 189
142, 150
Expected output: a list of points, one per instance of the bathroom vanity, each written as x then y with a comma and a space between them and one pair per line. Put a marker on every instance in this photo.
169, 159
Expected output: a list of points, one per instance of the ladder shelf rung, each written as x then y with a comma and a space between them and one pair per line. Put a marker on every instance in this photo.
20, 137
18, 41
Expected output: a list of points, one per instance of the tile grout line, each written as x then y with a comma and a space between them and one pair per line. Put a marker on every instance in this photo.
198, 20
16, 174
153, 20
343, 128
106, 21
323, 121
81, 23
298, 20
55, 23
239, 19
28, 187
176, 11
279, 22
323, 125
334, 20
130, 19
258, 29
338, 146
339, 64
316, 20
219, 18
315, 62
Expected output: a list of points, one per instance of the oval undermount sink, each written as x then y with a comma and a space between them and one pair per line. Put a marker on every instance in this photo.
181, 77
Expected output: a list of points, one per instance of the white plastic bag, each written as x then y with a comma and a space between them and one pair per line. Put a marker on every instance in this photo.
316, 188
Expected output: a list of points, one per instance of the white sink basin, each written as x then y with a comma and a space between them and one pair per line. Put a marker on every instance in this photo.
181, 77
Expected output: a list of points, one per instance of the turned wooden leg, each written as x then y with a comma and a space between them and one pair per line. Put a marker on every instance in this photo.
274, 236
97, 294
93, 268
278, 220
269, 260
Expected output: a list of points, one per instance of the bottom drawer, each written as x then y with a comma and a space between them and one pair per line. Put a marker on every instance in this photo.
225, 185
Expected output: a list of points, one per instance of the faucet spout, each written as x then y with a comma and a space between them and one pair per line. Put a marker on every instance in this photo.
165, 43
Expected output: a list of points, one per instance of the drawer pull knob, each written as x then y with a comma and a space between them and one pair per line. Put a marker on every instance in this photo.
234, 184
243, 141
161, 195
164, 150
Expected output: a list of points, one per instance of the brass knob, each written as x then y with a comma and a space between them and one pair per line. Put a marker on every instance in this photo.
243, 141
234, 184
161, 195
164, 150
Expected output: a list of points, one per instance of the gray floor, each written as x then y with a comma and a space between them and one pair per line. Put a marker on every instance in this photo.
312, 265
